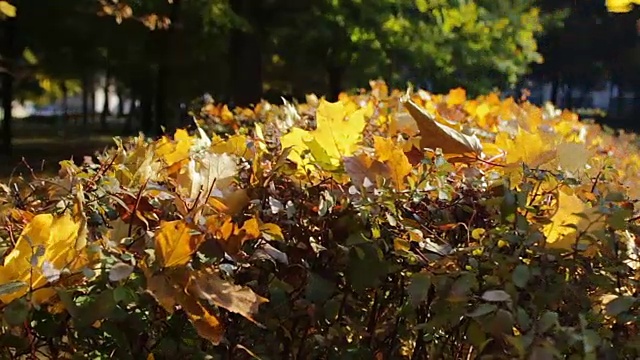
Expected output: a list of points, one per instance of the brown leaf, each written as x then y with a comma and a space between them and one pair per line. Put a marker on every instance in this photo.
435, 135
207, 285
168, 287
362, 167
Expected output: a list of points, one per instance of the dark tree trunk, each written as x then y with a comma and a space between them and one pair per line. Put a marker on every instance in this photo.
85, 100
9, 52
168, 38
555, 84
121, 99
335, 75
146, 109
129, 117
65, 102
105, 107
245, 55
92, 88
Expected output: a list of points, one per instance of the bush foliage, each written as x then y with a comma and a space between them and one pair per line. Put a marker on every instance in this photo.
386, 225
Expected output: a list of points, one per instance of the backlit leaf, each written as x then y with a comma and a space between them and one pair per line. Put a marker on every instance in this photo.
175, 243
435, 135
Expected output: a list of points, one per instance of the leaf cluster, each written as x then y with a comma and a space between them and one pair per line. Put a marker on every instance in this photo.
386, 225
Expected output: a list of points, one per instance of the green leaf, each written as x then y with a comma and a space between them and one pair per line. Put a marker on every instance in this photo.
618, 220
619, 305
547, 321
418, 288
319, 289
98, 309
366, 267
521, 275
120, 271
17, 312
11, 287
496, 296
482, 309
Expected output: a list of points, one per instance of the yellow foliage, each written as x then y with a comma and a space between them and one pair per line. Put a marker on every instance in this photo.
175, 243
47, 241
339, 130
621, 6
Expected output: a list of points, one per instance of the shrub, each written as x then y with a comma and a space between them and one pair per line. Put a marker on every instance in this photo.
383, 226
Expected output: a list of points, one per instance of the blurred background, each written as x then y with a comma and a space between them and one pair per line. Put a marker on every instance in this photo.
77, 72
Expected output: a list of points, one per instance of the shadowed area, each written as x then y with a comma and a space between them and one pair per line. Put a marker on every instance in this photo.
42, 146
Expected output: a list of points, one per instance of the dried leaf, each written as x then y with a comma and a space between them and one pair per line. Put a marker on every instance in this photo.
207, 285
435, 135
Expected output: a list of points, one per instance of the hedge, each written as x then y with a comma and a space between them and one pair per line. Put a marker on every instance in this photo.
386, 225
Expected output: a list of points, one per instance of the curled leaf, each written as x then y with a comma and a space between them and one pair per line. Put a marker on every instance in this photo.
435, 135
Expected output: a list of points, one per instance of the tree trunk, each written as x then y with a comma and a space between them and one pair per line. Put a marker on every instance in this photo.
167, 38
146, 108
335, 75
245, 55
555, 84
85, 100
105, 108
92, 89
121, 100
9, 52
128, 123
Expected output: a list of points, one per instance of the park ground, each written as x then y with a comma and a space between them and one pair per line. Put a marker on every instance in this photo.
40, 146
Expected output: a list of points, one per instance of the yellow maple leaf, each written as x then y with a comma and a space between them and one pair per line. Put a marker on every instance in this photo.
621, 6
174, 151
338, 132
395, 159
175, 243
54, 241
527, 147
572, 217
7, 9
236, 145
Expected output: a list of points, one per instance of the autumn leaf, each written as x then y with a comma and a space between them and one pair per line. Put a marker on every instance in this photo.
456, 96
7, 9
337, 134
621, 6
168, 288
175, 243
364, 169
236, 145
177, 150
573, 157
435, 135
571, 218
392, 155
230, 235
208, 175
46, 242
527, 147
206, 284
